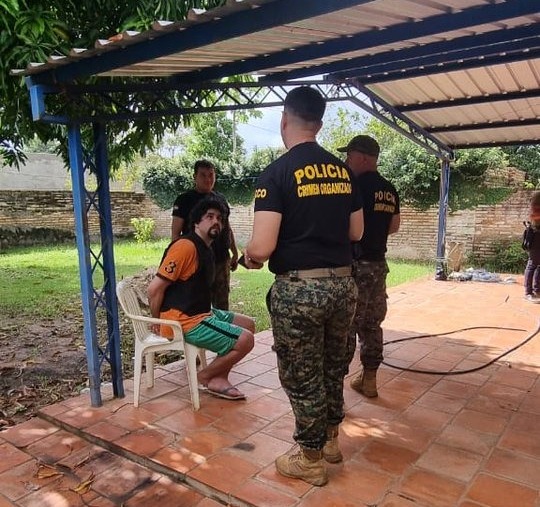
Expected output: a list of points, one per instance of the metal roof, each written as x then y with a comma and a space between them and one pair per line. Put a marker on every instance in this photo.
466, 71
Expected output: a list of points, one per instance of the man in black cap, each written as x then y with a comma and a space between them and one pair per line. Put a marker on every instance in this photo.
381, 218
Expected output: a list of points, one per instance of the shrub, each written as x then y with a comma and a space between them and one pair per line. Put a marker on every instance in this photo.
507, 258
144, 228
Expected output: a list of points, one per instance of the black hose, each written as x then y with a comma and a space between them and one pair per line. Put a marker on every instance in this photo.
470, 370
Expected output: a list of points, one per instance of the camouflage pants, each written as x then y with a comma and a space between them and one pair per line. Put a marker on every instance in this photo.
371, 310
221, 285
310, 322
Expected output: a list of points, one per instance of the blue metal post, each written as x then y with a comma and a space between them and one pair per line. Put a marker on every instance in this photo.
85, 268
440, 268
109, 275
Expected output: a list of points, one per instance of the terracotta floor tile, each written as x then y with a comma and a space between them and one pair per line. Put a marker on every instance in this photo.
404, 435
410, 387
106, 431
224, 472
515, 378
132, 419
4, 502
252, 368
442, 402
357, 482
388, 458
56, 446
516, 467
178, 459
454, 388
431, 488
262, 495
260, 448
493, 406
290, 486
502, 392
393, 500
268, 379
456, 463
160, 388
426, 418
495, 492
269, 408
184, 421
323, 497
240, 424
282, 428
82, 417
165, 405
29, 431
121, 480
480, 421
531, 403
466, 439
59, 495
206, 442
526, 422
524, 443
21, 480
208, 502
268, 358
11, 456
146, 442
165, 493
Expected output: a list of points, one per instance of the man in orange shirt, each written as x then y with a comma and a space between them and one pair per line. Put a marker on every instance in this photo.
181, 291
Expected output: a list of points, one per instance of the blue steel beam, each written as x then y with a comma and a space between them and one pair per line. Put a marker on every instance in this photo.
434, 25
265, 16
447, 50
113, 352
85, 266
470, 101
526, 122
513, 52
444, 188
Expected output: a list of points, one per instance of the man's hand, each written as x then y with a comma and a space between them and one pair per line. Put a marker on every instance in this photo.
249, 263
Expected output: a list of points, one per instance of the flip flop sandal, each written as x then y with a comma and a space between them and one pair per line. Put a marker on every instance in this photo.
224, 393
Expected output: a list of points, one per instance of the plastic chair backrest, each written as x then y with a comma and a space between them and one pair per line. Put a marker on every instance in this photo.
130, 304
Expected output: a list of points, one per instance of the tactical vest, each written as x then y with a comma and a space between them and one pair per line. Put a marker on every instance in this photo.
192, 296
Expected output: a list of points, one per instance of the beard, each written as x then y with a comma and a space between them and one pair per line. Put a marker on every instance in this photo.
214, 232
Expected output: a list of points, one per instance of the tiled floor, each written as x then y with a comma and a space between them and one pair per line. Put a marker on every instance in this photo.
470, 440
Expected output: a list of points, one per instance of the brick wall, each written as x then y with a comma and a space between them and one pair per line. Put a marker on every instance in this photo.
475, 230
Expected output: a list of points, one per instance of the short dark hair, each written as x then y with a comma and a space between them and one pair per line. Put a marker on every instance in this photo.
306, 103
203, 163
201, 208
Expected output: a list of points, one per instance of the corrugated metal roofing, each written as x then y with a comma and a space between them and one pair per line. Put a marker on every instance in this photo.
408, 52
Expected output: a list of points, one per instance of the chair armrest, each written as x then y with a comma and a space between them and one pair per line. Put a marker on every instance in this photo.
175, 326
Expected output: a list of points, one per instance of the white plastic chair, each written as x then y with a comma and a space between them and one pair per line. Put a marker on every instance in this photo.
148, 343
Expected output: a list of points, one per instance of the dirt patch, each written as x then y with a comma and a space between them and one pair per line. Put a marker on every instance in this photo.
44, 362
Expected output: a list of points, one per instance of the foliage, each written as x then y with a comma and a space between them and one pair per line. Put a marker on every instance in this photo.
507, 257
416, 173
36, 145
163, 179
32, 30
337, 131
144, 229
526, 158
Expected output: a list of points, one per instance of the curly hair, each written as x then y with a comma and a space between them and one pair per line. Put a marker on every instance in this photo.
201, 208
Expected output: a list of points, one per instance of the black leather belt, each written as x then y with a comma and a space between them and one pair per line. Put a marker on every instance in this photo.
297, 274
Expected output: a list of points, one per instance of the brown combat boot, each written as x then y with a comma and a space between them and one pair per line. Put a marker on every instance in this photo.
331, 452
305, 464
366, 383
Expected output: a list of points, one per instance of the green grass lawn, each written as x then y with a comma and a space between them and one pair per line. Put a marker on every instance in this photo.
42, 282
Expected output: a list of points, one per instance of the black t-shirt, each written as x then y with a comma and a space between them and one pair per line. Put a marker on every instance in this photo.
381, 203
182, 207
314, 192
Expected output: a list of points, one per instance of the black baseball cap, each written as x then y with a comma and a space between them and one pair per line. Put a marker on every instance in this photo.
363, 144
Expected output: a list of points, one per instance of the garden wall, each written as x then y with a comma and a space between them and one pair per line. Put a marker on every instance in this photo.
46, 214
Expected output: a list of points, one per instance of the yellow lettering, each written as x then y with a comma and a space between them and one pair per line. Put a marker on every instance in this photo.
260, 193
299, 174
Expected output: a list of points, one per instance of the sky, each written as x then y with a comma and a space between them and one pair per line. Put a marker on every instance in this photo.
262, 132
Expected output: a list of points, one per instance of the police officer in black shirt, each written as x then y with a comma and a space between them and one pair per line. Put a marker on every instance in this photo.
205, 179
381, 218
307, 211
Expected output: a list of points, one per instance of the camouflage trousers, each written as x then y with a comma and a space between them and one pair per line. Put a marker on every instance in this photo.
310, 323
221, 286
371, 310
